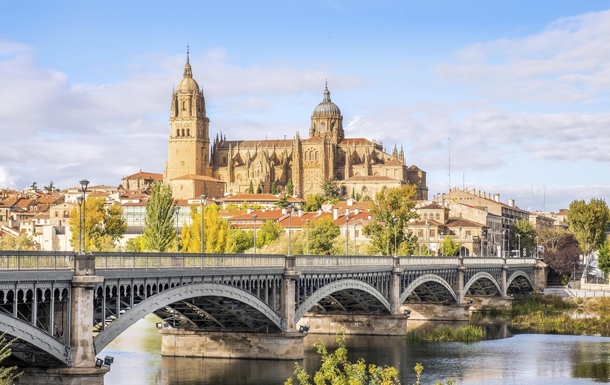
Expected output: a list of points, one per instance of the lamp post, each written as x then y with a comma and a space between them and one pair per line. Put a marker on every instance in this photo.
428, 232
307, 222
289, 225
508, 241
387, 237
537, 247
177, 226
519, 250
438, 238
203, 197
254, 216
80, 200
394, 220
503, 253
346, 233
355, 238
83, 186
460, 228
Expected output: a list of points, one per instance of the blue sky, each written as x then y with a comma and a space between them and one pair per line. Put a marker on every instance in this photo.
521, 88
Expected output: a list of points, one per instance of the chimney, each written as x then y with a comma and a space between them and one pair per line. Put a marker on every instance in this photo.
335, 214
284, 211
496, 197
300, 213
511, 202
249, 211
350, 202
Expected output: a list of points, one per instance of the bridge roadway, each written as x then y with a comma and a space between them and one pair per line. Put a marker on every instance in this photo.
46, 298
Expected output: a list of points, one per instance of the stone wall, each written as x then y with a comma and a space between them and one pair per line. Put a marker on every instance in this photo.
275, 346
381, 325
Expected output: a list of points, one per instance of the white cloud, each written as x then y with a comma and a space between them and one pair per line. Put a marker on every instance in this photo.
568, 61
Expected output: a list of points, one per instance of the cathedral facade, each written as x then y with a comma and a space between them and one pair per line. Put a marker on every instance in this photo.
360, 166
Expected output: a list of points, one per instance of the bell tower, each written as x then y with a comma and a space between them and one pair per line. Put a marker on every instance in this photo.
326, 120
189, 139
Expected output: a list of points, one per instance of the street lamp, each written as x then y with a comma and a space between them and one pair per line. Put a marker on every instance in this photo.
346, 233
537, 247
428, 231
177, 227
307, 221
503, 253
394, 220
80, 200
519, 250
203, 197
387, 237
254, 216
83, 186
460, 228
289, 225
355, 238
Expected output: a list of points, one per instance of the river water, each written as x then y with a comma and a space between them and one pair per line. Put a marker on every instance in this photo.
532, 359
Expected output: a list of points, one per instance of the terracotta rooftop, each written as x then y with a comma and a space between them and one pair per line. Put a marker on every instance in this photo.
145, 175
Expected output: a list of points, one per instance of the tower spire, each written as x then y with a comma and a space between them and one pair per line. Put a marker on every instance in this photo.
188, 72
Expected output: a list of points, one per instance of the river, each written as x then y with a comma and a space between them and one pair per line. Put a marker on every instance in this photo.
532, 359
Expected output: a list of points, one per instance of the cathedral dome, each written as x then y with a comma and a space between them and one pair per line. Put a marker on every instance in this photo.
326, 107
187, 85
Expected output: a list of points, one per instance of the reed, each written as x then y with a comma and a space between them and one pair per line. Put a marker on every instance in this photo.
465, 333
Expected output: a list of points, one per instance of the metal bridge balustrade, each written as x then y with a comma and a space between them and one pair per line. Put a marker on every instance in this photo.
341, 261
427, 261
34, 260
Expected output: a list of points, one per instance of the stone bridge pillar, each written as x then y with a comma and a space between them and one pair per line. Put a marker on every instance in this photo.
289, 294
81, 333
503, 282
397, 271
541, 271
460, 281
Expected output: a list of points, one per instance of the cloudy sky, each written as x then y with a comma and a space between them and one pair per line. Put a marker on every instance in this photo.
515, 93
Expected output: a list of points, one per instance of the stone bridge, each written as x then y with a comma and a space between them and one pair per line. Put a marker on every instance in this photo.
66, 307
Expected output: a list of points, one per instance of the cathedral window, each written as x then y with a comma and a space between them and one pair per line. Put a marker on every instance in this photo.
339, 176
183, 106
178, 132
322, 127
343, 158
188, 132
224, 160
183, 132
316, 156
332, 126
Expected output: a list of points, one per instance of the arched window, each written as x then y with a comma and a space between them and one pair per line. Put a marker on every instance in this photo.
438, 216
322, 127
425, 215
183, 132
339, 176
316, 156
183, 105
224, 160
188, 132
178, 132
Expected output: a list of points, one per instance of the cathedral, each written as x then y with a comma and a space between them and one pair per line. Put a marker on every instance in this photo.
360, 166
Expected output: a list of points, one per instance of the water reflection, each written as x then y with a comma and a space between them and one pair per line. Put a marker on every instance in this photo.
523, 358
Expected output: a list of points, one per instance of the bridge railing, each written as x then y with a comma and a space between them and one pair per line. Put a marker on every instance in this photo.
35, 260
427, 261
185, 261
483, 261
520, 261
341, 261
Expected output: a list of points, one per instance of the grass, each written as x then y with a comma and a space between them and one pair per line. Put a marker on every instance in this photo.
532, 304
465, 333
562, 324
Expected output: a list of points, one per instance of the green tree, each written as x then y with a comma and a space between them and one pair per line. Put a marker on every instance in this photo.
22, 242
34, 186
290, 188
314, 202
449, 247
603, 258
159, 231
104, 226
393, 208
523, 232
268, 233
259, 189
589, 222
336, 369
330, 188
50, 187
282, 202
273, 188
322, 235
251, 188
242, 240
135, 244
8, 374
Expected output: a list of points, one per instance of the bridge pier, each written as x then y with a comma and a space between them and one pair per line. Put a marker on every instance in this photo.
503, 284
541, 271
356, 324
269, 346
395, 287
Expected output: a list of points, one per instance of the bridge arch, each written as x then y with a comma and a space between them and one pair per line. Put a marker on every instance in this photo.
334, 287
179, 293
423, 279
518, 274
482, 275
36, 337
